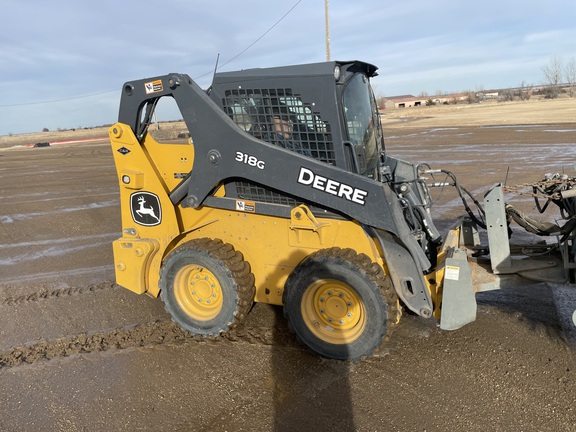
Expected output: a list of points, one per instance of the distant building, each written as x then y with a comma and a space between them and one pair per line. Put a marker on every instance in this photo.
488, 95
408, 101
404, 101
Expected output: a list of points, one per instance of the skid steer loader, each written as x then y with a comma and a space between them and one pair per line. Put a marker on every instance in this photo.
283, 194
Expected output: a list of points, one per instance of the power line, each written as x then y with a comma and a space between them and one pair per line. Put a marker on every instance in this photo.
200, 76
59, 100
257, 40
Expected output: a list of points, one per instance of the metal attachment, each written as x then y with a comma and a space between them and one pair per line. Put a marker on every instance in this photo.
117, 131
214, 157
425, 312
173, 82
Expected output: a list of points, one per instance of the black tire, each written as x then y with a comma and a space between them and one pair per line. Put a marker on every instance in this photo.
340, 304
206, 286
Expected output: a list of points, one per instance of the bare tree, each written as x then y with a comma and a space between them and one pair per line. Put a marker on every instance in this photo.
525, 91
553, 77
471, 97
571, 76
507, 95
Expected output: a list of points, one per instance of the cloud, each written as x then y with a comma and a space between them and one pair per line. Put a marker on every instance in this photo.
64, 49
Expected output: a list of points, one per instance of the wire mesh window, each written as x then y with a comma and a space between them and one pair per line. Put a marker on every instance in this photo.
282, 118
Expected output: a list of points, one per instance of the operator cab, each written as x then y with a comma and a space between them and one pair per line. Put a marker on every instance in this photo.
326, 111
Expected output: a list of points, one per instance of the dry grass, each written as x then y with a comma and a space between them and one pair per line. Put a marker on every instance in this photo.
33, 138
168, 131
545, 111
489, 113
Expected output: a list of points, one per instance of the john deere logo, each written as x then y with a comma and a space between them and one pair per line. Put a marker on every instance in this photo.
145, 208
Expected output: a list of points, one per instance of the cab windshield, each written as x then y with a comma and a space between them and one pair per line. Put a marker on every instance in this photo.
362, 123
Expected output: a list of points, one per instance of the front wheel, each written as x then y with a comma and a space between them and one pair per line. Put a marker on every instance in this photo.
206, 286
340, 303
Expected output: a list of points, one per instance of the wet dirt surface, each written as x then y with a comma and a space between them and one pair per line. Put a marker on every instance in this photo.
79, 353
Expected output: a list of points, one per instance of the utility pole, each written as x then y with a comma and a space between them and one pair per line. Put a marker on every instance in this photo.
327, 30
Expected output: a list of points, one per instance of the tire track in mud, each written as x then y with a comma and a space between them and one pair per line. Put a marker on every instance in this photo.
45, 294
144, 335
140, 335
136, 335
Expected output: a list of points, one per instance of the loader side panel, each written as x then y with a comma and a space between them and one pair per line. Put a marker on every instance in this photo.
149, 219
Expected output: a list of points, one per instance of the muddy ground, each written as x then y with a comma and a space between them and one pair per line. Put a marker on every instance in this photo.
78, 353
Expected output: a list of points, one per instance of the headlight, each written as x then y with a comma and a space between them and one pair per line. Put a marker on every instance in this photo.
337, 73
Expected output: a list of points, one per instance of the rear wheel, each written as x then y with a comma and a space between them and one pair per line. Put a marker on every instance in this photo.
340, 303
206, 286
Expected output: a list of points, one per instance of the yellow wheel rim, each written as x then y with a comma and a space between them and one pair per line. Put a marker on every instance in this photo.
333, 311
198, 292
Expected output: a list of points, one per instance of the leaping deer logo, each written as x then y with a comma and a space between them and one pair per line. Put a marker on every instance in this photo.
146, 210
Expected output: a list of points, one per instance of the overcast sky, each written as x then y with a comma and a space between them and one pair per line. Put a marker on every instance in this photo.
63, 62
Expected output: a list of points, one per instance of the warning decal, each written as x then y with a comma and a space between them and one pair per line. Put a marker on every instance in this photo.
153, 87
246, 206
452, 273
